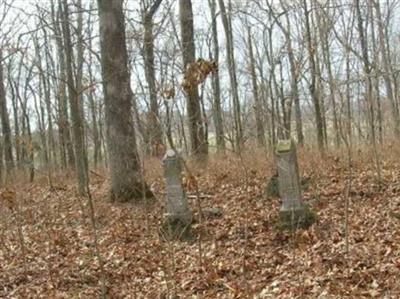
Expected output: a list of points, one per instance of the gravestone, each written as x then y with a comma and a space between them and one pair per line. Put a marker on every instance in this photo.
178, 216
293, 213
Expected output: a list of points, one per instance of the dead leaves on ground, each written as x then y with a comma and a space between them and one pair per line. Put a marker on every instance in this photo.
8, 196
243, 256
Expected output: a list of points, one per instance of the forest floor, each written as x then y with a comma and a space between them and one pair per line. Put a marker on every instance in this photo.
46, 248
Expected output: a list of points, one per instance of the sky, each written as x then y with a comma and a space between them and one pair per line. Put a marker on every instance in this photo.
23, 20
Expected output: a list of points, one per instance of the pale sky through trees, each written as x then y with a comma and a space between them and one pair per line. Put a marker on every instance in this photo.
264, 134
22, 19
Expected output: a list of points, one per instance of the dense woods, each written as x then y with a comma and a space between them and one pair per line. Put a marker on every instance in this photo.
93, 95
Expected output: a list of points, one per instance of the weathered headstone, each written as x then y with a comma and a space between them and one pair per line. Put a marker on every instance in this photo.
293, 213
178, 216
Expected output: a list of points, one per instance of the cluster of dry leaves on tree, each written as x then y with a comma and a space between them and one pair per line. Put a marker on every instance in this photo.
197, 72
47, 251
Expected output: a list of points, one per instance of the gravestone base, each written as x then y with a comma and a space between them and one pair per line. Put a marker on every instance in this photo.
132, 194
175, 229
292, 219
178, 216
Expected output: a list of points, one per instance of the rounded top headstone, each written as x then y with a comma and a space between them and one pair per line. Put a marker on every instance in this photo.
284, 146
171, 154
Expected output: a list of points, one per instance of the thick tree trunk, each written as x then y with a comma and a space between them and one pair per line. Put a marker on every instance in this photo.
232, 75
97, 157
387, 71
294, 84
257, 99
47, 96
154, 125
198, 143
127, 182
76, 114
27, 152
217, 109
348, 101
313, 74
66, 147
368, 82
39, 109
13, 87
80, 50
324, 30
376, 78
5, 123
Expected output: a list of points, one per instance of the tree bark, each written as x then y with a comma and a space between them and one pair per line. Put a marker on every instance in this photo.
324, 30
76, 115
294, 84
257, 99
154, 125
313, 74
368, 81
217, 109
387, 71
5, 124
198, 143
127, 182
232, 75
66, 148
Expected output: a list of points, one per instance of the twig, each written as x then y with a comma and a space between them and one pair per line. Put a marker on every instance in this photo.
96, 243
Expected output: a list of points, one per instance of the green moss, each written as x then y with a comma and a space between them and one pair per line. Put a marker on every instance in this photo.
305, 183
272, 189
284, 146
131, 194
296, 219
175, 229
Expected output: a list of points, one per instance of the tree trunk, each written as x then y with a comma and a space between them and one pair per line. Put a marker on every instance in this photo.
232, 75
66, 147
387, 71
47, 96
217, 109
257, 99
80, 50
76, 115
5, 124
376, 83
313, 74
97, 157
154, 125
367, 72
199, 145
294, 84
13, 87
324, 37
127, 182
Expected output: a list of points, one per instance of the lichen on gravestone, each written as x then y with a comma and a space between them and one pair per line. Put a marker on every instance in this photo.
293, 212
177, 216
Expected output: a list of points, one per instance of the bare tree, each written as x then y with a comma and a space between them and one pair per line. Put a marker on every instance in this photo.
217, 109
76, 114
387, 70
198, 142
313, 74
154, 125
5, 122
227, 24
125, 174
257, 99
368, 87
